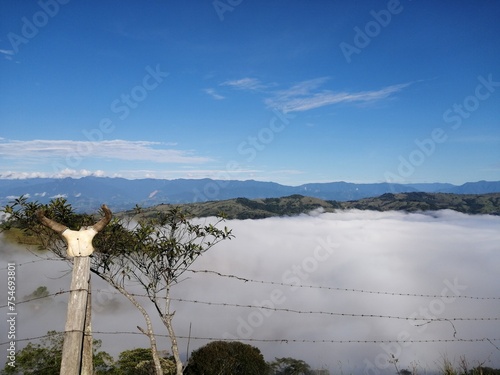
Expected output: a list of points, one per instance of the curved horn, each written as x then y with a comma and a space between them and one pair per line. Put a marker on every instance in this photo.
105, 220
59, 228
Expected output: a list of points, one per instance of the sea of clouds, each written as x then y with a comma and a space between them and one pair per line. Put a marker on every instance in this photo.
345, 277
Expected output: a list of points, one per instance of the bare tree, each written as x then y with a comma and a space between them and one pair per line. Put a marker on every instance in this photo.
168, 244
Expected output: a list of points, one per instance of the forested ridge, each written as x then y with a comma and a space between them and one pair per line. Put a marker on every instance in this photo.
244, 208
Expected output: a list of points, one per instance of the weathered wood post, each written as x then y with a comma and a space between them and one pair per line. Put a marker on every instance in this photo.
87, 363
78, 317
74, 330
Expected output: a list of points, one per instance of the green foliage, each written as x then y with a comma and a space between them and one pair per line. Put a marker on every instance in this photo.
167, 243
38, 293
22, 215
227, 358
139, 361
41, 292
290, 366
38, 298
103, 362
44, 358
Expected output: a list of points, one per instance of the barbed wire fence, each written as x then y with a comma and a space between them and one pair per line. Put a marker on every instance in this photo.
295, 285
494, 341
294, 311
282, 340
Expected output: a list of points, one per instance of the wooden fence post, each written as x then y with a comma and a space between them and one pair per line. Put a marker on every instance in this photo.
87, 359
72, 353
77, 345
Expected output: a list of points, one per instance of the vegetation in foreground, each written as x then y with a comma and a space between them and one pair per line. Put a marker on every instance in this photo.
215, 358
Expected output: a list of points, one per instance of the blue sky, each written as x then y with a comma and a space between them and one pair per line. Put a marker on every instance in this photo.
285, 91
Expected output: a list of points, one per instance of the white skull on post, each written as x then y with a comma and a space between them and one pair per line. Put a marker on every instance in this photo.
79, 241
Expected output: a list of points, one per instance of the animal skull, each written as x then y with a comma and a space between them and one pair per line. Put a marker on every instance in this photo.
79, 241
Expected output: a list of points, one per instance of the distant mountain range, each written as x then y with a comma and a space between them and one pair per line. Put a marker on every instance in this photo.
88, 193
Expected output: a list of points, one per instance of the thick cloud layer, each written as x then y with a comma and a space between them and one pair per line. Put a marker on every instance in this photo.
437, 258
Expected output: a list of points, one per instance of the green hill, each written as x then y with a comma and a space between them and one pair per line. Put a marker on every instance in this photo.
243, 208
412, 202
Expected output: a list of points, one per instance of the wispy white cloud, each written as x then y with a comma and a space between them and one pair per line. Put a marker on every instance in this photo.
305, 96
7, 53
213, 94
245, 84
68, 172
157, 152
302, 88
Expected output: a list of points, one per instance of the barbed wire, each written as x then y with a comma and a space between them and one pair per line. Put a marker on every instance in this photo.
280, 340
41, 297
310, 341
277, 309
331, 313
303, 286
34, 261
248, 280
